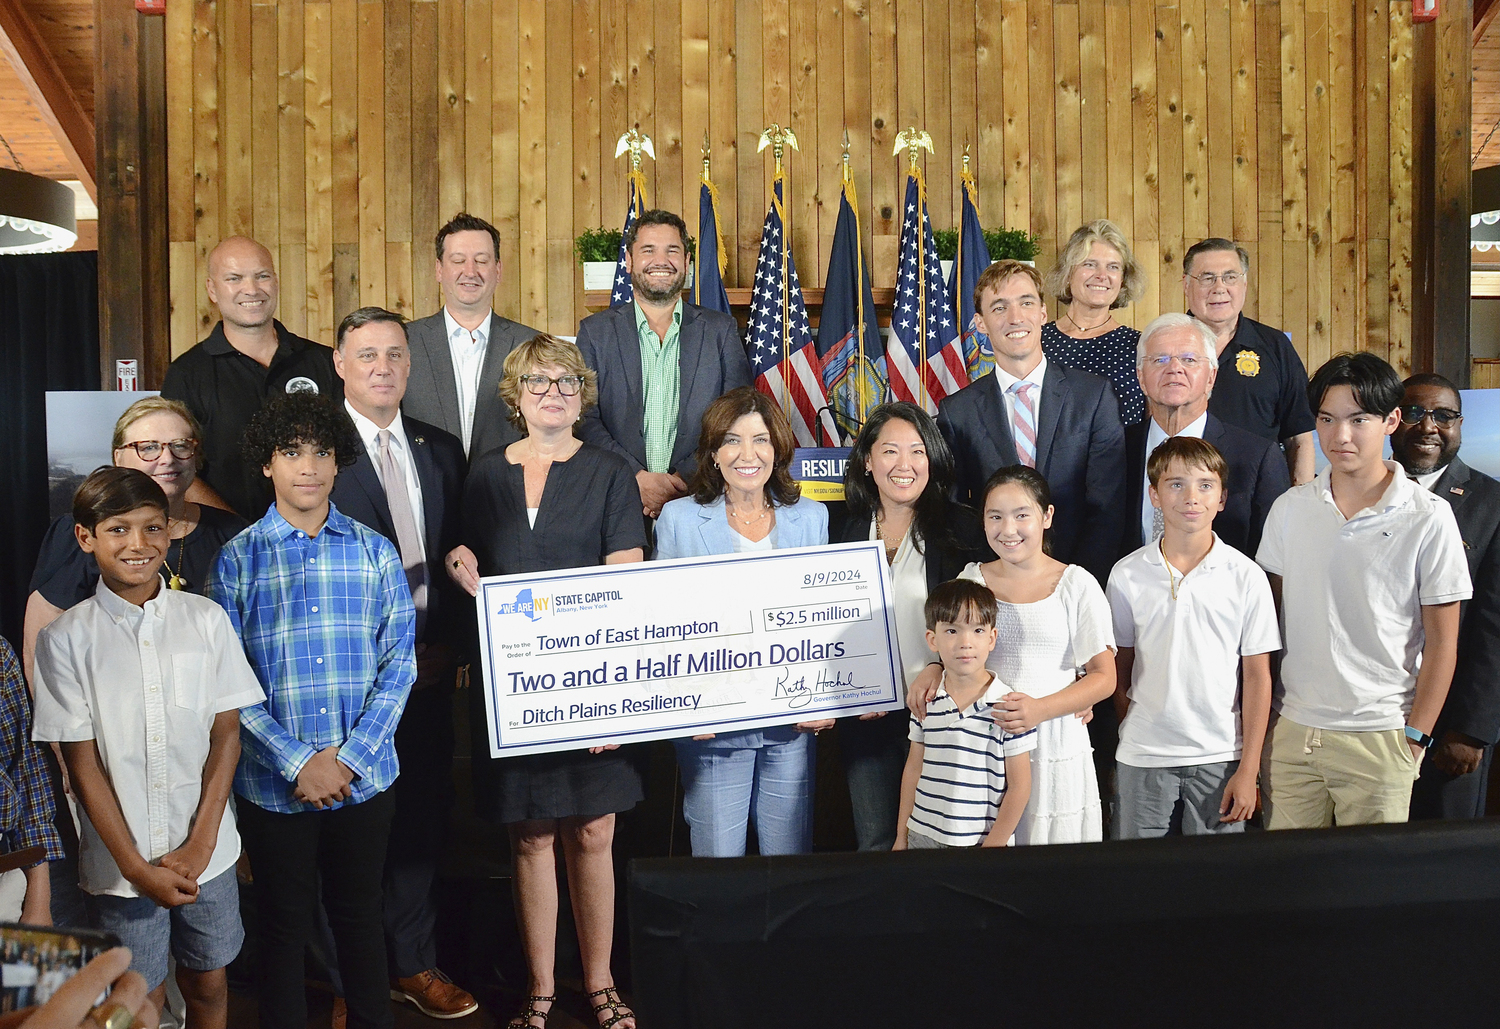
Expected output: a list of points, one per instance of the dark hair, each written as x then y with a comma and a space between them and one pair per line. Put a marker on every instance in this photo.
1029, 479
1193, 452
1215, 244
708, 481
954, 599
466, 222
996, 274
862, 496
111, 491
366, 316
298, 418
656, 216
1376, 387
1439, 381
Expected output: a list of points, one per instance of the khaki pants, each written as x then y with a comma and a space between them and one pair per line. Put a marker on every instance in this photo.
1312, 778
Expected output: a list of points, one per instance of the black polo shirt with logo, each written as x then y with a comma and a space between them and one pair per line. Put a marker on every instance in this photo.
1262, 384
224, 388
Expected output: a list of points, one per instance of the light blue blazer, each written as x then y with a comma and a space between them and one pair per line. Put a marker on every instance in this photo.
687, 528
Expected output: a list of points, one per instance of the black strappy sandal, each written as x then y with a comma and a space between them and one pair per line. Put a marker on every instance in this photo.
523, 1020
619, 1011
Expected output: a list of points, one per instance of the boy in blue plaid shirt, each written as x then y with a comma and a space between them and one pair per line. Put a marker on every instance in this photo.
325, 614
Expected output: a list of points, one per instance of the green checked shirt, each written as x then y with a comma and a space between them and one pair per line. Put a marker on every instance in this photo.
661, 382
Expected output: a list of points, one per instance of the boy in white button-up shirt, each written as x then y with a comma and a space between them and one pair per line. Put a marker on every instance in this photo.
142, 686
1370, 569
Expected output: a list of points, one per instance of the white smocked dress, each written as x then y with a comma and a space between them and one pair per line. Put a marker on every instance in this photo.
1041, 648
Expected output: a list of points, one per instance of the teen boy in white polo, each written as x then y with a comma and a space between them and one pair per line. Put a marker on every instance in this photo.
1191, 614
1370, 570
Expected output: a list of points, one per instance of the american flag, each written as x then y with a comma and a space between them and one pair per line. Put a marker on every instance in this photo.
622, 292
923, 329
783, 355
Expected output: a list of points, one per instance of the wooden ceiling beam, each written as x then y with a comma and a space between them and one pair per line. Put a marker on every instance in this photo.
59, 106
1484, 13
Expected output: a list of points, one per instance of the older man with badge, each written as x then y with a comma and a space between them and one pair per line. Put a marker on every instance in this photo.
1262, 383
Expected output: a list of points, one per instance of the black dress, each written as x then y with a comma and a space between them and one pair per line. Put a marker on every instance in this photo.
65, 575
1111, 355
590, 508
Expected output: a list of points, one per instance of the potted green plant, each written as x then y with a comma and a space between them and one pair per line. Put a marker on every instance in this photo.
1012, 244
599, 249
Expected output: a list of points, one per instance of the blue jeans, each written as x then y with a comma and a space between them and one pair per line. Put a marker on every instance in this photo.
874, 755
725, 787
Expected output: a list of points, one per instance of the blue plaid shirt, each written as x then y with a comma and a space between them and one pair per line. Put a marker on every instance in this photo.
329, 627
26, 810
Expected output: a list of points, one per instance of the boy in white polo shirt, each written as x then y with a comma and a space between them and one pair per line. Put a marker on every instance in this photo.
1370, 570
1190, 613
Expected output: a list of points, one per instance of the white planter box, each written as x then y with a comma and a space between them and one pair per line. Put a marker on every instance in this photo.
598, 274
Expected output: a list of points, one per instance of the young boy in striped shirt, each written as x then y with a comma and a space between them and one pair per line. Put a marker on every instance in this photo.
966, 780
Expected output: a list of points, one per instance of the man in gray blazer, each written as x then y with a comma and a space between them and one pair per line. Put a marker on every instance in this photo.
661, 361
457, 354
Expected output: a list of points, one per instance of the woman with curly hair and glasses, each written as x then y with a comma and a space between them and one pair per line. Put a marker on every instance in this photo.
548, 501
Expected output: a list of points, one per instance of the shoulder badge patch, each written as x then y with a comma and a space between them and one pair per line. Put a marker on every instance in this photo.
1247, 363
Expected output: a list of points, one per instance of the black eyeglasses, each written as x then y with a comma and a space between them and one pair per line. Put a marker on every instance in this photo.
538, 385
1412, 414
150, 449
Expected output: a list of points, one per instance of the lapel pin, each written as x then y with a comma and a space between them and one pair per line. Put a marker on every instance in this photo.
1458, 490
418, 439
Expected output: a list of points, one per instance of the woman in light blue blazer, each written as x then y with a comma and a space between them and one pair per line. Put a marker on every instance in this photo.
744, 500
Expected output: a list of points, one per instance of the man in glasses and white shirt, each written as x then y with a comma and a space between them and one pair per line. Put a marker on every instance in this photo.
1262, 382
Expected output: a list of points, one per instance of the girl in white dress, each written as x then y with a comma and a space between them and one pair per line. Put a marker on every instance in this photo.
1055, 650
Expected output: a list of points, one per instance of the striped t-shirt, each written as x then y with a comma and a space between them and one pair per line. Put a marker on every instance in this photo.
963, 767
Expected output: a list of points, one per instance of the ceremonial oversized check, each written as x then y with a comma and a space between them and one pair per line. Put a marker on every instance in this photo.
663, 649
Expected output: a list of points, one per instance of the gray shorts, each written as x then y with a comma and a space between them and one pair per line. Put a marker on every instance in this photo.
202, 936
916, 841
1162, 801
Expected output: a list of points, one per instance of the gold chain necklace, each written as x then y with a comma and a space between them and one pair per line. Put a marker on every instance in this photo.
174, 580
1171, 581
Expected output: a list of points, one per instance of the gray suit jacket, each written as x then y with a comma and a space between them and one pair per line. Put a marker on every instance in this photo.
432, 394
713, 362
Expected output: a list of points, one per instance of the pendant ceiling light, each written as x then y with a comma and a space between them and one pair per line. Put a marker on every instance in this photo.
1484, 205
36, 214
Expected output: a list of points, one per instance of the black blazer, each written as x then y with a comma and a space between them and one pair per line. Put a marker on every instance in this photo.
943, 561
439, 458
1473, 705
1080, 449
1257, 476
712, 360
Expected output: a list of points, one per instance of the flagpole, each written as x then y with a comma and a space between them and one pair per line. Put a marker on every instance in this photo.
778, 139
859, 287
913, 141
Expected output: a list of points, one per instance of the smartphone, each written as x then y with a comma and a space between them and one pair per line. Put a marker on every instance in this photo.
34, 961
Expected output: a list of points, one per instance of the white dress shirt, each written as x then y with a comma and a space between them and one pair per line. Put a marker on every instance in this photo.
369, 435
144, 683
1004, 380
1429, 479
468, 350
1155, 437
909, 597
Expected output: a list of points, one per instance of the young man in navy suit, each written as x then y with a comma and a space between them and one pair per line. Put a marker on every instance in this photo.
1177, 365
406, 485
1062, 422
661, 361
1426, 443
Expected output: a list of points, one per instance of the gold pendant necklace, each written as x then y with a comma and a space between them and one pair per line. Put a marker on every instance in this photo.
1171, 581
174, 580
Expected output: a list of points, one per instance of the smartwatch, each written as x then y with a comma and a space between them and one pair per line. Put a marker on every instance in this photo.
1418, 737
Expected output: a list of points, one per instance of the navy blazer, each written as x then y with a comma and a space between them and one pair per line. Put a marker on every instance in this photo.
1257, 476
1080, 450
712, 360
1473, 704
687, 528
439, 460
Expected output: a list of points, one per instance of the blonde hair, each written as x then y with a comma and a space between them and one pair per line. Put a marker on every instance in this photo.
156, 405
1132, 282
542, 351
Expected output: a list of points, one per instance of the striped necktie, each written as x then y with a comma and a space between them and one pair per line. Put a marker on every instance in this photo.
1023, 422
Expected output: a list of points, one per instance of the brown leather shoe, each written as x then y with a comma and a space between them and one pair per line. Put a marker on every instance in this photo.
434, 995
340, 1013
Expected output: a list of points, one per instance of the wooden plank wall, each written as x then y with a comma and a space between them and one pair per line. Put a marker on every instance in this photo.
343, 132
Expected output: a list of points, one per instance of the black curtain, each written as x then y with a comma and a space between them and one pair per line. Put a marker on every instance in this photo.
49, 340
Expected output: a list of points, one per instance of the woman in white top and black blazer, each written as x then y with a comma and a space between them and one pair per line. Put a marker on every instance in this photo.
745, 500
896, 489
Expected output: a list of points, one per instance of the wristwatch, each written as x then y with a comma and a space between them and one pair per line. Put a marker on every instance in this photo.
1418, 737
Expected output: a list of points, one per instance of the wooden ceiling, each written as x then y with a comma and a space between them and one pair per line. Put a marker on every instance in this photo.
66, 29
1485, 145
